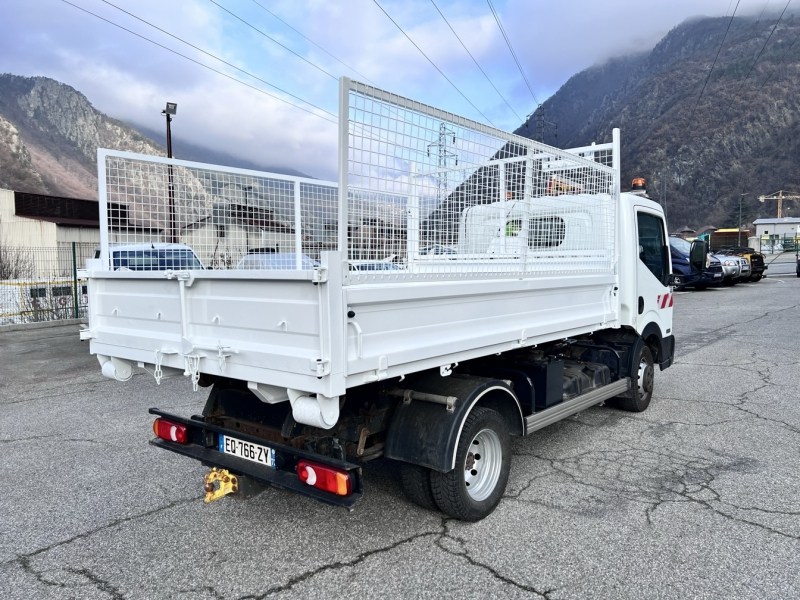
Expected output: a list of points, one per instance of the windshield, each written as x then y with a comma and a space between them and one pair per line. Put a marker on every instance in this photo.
156, 260
681, 245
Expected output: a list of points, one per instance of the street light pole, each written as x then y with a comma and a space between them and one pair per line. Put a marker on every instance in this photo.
169, 111
739, 233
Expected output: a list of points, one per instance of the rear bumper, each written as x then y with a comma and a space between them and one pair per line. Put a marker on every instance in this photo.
204, 441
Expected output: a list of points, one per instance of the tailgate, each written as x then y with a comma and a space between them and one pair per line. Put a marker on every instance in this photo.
264, 330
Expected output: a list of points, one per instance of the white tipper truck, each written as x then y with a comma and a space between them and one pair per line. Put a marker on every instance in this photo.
458, 285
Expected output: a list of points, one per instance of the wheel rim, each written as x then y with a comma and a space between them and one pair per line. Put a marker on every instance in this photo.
483, 464
645, 377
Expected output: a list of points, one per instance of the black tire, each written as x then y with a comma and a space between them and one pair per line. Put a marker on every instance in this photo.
637, 399
416, 484
451, 491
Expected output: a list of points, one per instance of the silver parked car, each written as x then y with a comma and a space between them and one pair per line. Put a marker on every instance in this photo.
734, 268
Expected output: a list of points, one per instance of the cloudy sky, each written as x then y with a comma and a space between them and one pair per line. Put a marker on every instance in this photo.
130, 78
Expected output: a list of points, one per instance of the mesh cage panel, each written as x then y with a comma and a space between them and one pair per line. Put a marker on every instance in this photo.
432, 195
169, 214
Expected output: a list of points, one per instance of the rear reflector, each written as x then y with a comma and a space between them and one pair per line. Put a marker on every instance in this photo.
172, 432
330, 479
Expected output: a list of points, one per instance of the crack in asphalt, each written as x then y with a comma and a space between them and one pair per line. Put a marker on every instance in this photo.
25, 560
335, 566
99, 583
696, 344
682, 478
462, 543
363, 556
204, 588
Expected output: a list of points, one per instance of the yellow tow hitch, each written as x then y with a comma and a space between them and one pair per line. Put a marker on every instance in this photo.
225, 484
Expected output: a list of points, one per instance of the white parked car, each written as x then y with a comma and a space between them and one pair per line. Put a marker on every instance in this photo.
152, 257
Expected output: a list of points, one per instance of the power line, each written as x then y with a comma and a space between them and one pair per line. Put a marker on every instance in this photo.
204, 65
513, 54
691, 117
313, 42
775, 69
432, 63
735, 96
216, 57
475, 61
276, 41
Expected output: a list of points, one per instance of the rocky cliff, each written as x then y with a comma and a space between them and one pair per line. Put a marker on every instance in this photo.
49, 135
742, 138
50, 132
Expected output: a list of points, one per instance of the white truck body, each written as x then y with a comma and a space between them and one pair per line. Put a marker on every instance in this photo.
445, 242
287, 332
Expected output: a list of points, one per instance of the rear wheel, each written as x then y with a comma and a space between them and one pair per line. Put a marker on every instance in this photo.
416, 483
638, 397
755, 278
475, 487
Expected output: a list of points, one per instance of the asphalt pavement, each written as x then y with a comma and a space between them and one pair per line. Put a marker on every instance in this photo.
782, 265
697, 497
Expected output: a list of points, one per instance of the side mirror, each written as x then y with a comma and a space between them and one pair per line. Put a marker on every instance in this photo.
698, 255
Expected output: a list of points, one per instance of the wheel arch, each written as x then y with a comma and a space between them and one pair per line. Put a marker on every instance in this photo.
426, 434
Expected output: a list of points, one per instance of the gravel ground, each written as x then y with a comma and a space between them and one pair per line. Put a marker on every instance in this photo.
698, 496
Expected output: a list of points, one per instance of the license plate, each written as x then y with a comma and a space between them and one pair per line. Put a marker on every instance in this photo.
717, 275
247, 450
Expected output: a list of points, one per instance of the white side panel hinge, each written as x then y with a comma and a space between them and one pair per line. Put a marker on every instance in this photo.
319, 275
321, 366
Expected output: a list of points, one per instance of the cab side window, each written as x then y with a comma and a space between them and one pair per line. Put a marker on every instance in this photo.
652, 245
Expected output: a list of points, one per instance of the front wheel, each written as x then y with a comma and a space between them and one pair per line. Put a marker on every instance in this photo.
475, 487
637, 399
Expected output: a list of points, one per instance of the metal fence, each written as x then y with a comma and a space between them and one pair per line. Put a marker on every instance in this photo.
773, 244
223, 214
42, 284
423, 194
430, 194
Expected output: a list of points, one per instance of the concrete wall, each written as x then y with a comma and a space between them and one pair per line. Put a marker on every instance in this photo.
32, 233
781, 229
22, 232
67, 235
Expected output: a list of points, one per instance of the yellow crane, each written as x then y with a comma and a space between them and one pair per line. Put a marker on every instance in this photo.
780, 197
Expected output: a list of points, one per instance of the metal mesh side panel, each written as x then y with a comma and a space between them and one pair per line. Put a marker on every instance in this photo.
434, 196
164, 214
320, 217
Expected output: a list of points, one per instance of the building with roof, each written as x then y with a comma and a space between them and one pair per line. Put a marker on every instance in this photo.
40, 221
784, 227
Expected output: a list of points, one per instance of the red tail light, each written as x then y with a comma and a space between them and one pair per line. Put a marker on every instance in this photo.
330, 479
172, 432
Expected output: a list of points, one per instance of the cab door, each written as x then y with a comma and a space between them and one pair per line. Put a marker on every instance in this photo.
653, 269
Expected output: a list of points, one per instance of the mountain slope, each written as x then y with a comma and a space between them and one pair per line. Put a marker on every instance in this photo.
50, 132
59, 132
742, 138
